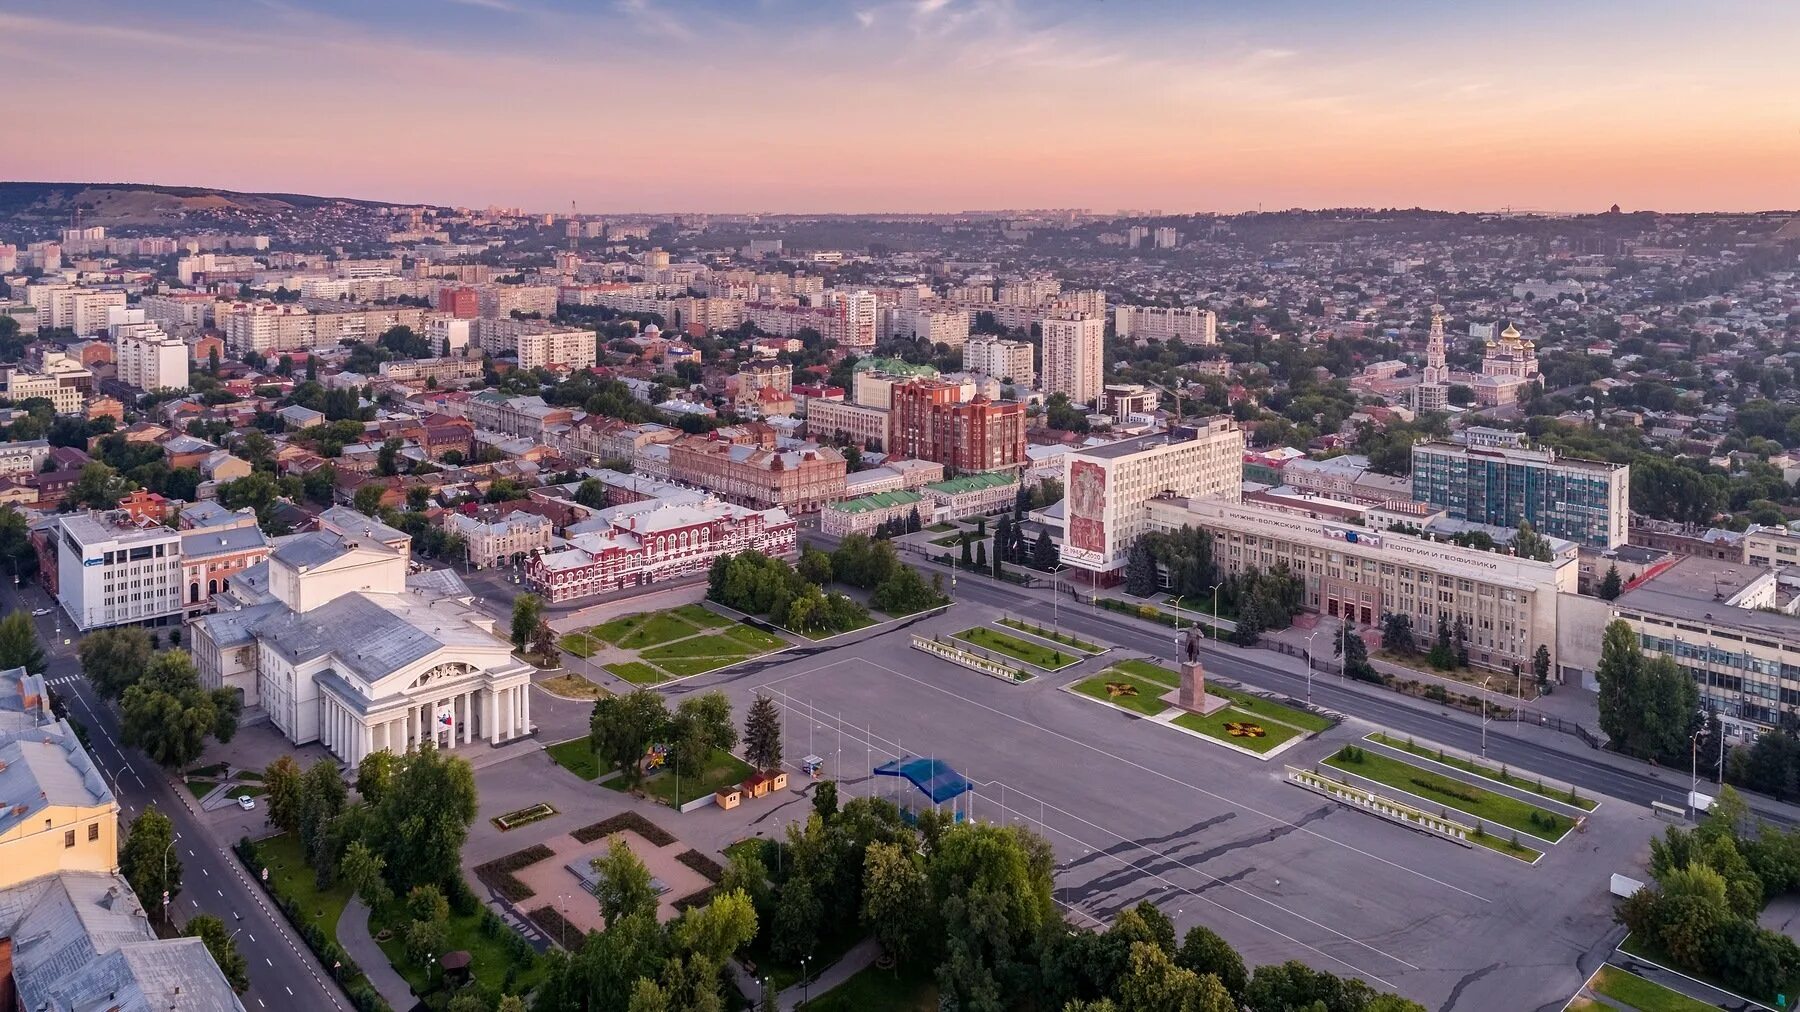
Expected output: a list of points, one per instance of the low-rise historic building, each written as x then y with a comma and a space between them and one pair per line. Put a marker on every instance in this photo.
651, 541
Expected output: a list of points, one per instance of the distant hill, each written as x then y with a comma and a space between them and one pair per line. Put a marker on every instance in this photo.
149, 204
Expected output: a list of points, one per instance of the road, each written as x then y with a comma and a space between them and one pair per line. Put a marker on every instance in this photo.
1576, 764
283, 973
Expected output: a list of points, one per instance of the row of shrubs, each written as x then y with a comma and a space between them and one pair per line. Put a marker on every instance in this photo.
556, 927
498, 873
706, 866
643, 827
356, 986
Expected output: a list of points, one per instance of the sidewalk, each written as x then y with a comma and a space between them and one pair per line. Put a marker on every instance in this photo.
859, 957
353, 934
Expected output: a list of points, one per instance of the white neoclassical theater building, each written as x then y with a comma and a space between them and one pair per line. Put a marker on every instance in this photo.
339, 644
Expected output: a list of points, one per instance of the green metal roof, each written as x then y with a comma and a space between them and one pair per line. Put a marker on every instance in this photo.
975, 482
894, 367
876, 501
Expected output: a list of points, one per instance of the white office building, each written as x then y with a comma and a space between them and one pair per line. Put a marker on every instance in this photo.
339, 644
114, 570
1160, 323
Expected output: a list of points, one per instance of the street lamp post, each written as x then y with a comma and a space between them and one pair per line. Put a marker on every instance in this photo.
165, 881
805, 981
1309, 662
1693, 770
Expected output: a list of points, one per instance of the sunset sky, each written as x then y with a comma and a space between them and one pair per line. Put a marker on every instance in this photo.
919, 105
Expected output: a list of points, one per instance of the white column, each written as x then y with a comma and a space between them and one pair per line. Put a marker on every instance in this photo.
418, 731
489, 726
525, 694
468, 709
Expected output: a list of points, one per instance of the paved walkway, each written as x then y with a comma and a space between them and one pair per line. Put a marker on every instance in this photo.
859, 957
353, 934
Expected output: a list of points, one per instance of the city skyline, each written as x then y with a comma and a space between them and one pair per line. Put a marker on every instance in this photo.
921, 106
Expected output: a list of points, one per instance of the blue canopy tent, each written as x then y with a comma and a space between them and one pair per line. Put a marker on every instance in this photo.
934, 778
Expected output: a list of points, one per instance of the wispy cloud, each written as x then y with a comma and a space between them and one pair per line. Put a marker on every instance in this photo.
651, 19
490, 5
866, 18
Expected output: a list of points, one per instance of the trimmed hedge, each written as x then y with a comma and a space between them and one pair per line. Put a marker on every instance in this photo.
555, 926
699, 899
498, 873
706, 866
356, 986
625, 820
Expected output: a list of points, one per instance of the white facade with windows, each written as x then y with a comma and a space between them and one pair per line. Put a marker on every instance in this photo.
340, 645
113, 570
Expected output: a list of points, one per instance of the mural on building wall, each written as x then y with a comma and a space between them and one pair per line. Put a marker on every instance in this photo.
1087, 506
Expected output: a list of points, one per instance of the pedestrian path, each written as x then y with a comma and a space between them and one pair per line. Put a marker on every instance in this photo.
860, 957
353, 934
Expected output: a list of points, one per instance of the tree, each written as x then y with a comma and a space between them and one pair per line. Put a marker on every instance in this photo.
825, 799
623, 886
423, 819
622, 728
591, 493
322, 798
700, 726
528, 611
896, 900
1397, 632
374, 774
1204, 952
1648, 708
426, 940
1043, 552
1612, 586
19, 643
211, 930
1540, 664
361, 868
418, 498
762, 734
168, 715
149, 861
1140, 570
1355, 654
718, 929
543, 645
427, 903
648, 996
967, 556
1152, 982
981, 555
1529, 544
368, 499
281, 781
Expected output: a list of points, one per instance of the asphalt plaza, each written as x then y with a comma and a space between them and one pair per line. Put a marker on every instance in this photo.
1210, 836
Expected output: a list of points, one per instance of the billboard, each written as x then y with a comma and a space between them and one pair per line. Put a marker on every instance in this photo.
1087, 507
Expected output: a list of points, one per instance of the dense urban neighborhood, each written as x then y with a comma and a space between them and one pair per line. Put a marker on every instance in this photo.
483, 606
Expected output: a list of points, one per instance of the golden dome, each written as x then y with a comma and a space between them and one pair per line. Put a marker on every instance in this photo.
1511, 333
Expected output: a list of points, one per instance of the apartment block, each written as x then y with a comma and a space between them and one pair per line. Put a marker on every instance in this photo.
1193, 325
538, 344
146, 357
1009, 361
931, 421
798, 481
1074, 357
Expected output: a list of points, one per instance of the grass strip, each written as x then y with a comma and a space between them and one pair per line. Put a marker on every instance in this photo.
1218, 724
1154, 672
637, 672
1501, 773
1306, 720
577, 756
1643, 995
1031, 653
1143, 696
1477, 802
701, 616
1052, 635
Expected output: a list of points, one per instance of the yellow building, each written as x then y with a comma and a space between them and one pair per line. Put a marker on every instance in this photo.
57, 813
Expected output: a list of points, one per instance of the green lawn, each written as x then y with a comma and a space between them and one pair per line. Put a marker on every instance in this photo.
577, 756
290, 876
714, 645
1154, 672
948, 541
700, 665
826, 634
490, 958
661, 627
941, 528
1034, 654
580, 644
701, 616
1303, 719
722, 769
877, 990
247, 789
1477, 802
1052, 635
1505, 776
1213, 726
618, 628
1643, 995
637, 672
755, 638
200, 788
1145, 702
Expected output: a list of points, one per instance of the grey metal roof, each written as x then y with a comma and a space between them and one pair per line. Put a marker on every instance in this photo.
360, 526
232, 539
35, 775
81, 941
372, 635
305, 551
438, 583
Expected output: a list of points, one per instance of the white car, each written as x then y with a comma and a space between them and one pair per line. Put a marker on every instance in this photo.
40, 612
246, 802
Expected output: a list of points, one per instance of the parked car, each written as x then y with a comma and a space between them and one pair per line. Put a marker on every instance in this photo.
246, 802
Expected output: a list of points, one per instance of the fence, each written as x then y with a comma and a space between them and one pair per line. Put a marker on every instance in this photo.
1374, 803
972, 661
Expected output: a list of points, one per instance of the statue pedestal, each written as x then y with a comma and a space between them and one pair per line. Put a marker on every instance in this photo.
1192, 696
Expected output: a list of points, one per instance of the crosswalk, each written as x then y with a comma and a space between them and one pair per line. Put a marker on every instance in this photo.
64, 680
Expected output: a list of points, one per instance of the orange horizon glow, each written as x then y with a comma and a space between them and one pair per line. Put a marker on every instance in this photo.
922, 105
